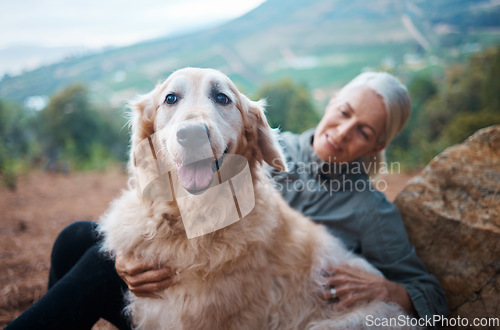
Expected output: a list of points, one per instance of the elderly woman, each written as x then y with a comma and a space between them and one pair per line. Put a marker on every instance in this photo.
334, 160
327, 180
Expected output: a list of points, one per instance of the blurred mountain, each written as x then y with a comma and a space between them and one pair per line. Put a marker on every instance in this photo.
18, 59
320, 42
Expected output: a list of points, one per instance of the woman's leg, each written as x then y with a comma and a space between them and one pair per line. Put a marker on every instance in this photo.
70, 246
84, 286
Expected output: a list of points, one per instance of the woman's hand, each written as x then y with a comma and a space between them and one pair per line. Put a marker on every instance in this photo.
143, 280
352, 286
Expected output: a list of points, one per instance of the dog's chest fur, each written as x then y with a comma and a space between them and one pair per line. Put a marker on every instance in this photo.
263, 272
224, 278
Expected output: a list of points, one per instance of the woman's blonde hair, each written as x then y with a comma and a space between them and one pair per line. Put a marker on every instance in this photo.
397, 107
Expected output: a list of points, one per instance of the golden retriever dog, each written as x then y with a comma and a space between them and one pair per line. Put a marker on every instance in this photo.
261, 270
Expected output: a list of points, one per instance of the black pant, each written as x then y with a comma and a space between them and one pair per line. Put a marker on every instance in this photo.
83, 286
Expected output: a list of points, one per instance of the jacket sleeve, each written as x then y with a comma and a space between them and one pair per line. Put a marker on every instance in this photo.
384, 243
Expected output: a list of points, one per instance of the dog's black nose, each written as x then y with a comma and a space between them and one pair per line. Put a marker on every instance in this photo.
193, 135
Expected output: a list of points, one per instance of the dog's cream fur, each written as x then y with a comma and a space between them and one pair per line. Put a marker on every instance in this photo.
262, 272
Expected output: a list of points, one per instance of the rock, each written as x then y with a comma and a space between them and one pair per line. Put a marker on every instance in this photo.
451, 212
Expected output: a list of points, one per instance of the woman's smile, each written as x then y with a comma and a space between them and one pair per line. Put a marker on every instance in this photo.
334, 146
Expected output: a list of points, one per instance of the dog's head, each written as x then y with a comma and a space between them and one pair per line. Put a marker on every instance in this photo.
199, 116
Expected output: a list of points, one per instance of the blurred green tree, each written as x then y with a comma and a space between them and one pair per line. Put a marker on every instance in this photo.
472, 94
290, 106
421, 88
74, 130
17, 135
490, 92
448, 109
68, 120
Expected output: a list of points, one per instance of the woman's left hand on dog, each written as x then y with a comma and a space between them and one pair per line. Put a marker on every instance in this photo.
143, 280
352, 286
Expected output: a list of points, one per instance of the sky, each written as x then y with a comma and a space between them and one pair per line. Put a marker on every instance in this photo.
94, 24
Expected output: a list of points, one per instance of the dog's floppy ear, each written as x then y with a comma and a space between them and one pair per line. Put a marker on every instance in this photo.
267, 137
143, 116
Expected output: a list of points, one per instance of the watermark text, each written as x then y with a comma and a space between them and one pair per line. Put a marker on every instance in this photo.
434, 321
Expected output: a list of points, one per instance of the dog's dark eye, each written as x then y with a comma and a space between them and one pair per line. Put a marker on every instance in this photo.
222, 99
171, 99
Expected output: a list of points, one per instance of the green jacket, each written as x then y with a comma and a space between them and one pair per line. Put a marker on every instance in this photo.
343, 199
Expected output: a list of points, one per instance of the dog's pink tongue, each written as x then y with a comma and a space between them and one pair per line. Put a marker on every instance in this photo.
196, 176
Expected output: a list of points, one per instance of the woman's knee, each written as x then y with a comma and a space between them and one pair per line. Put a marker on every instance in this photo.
79, 235
70, 245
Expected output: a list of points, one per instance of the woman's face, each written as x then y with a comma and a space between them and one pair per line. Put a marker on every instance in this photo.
351, 126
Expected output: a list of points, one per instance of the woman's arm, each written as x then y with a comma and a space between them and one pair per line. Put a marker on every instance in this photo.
385, 245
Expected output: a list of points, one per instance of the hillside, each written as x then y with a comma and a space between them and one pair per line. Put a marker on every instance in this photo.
322, 43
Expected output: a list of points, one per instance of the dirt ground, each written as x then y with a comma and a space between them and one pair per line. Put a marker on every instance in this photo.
42, 205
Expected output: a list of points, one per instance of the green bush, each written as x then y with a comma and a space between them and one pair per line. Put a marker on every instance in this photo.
465, 124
